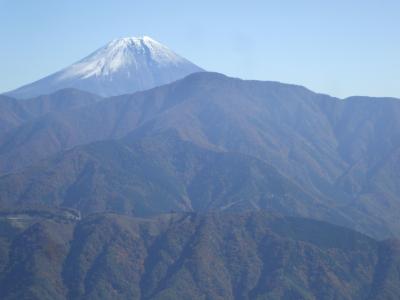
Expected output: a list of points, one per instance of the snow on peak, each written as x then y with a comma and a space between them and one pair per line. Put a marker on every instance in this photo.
124, 65
122, 54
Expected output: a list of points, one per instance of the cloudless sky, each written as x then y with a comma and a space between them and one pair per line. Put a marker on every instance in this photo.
340, 47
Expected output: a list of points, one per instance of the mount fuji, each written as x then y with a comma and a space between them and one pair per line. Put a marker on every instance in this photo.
124, 65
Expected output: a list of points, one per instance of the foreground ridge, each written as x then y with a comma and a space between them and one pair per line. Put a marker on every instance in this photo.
190, 256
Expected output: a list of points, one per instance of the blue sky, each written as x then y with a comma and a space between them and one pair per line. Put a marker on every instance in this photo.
336, 47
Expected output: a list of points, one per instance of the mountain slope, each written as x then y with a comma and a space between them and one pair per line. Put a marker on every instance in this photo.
192, 256
163, 173
342, 152
156, 175
11, 113
208, 108
16, 112
122, 66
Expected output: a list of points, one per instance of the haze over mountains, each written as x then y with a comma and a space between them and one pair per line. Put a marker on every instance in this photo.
122, 66
333, 159
134, 195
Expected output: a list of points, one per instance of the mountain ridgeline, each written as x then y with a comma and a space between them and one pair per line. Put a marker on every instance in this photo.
133, 174
211, 143
124, 65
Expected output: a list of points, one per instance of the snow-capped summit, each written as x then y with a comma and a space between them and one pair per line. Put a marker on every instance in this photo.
123, 55
122, 66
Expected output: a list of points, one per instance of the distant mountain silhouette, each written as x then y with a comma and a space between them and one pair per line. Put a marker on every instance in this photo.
124, 65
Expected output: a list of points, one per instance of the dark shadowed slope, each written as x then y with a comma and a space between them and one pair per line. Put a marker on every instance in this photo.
191, 256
